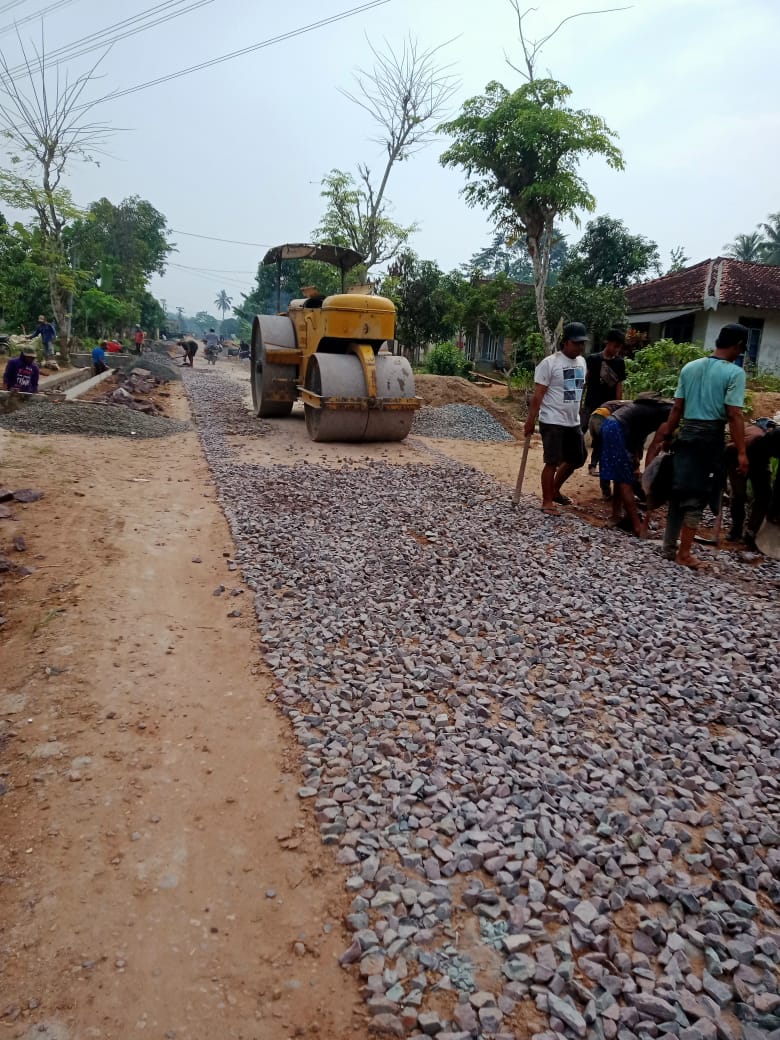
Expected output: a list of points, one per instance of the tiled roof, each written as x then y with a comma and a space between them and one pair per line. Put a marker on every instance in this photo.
733, 282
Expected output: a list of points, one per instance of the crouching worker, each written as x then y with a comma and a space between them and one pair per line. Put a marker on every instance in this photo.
623, 438
99, 359
762, 444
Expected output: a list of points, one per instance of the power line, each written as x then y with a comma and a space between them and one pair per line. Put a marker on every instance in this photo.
36, 14
102, 37
230, 241
322, 23
13, 3
217, 270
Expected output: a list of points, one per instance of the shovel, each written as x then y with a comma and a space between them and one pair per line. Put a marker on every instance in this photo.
521, 475
768, 540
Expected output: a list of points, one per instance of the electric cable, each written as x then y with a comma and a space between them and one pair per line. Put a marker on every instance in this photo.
229, 241
282, 37
43, 10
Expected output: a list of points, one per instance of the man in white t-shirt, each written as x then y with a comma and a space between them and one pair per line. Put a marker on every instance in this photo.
559, 380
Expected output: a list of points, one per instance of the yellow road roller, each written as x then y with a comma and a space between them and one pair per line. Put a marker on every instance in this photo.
325, 351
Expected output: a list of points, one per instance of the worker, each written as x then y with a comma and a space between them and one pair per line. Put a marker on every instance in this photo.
99, 359
113, 347
45, 329
190, 346
606, 372
595, 423
762, 444
138, 339
22, 373
558, 383
710, 392
623, 437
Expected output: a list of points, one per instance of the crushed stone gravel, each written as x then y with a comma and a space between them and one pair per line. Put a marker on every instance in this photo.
545, 759
466, 422
93, 420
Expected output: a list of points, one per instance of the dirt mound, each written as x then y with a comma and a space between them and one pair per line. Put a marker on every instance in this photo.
436, 391
764, 402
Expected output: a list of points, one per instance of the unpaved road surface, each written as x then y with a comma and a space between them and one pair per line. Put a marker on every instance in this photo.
523, 771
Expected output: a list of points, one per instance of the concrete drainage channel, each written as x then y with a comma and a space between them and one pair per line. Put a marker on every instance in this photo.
544, 758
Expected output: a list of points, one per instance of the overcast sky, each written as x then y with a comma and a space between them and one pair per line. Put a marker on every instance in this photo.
238, 151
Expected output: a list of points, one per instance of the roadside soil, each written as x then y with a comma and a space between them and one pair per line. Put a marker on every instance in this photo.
156, 867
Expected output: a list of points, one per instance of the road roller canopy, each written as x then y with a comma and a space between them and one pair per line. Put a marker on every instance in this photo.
337, 256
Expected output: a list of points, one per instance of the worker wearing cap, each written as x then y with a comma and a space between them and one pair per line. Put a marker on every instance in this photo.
559, 380
48, 334
21, 373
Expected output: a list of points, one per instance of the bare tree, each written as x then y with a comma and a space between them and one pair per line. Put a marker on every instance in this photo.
405, 93
531, 48
46, 125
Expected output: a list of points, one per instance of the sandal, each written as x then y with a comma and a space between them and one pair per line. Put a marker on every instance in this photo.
562, 500
551, 511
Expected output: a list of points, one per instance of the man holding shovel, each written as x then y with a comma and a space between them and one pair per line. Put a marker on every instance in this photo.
559, 380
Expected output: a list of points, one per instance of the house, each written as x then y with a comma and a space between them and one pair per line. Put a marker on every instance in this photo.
692, 305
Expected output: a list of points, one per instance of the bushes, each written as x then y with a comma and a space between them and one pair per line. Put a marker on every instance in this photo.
657, 367
447, 359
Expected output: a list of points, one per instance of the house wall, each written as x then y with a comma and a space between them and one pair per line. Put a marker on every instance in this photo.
769, 348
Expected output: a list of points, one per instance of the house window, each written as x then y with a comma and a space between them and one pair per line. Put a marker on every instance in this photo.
680, 330
756, 327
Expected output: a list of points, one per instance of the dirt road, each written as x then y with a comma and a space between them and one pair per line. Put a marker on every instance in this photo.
158, 879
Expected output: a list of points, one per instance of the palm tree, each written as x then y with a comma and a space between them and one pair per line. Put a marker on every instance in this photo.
770, 247
223, 302
747, 247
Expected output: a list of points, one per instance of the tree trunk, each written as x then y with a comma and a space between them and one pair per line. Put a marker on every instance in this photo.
540, 258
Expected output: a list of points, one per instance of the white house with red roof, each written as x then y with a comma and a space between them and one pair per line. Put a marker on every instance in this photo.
692, 305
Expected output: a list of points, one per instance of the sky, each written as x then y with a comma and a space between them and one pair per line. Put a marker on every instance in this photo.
237, 151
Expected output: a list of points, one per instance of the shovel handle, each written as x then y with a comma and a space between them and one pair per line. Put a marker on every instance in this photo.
521, 474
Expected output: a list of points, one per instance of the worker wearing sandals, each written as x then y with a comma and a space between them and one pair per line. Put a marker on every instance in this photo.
559, 380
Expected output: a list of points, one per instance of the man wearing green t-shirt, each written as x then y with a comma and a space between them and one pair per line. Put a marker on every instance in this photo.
710, 393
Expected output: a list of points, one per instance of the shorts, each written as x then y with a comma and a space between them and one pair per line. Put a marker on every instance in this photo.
617, 462
563, 444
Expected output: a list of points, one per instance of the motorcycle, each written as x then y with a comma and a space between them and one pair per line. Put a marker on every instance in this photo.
212, 353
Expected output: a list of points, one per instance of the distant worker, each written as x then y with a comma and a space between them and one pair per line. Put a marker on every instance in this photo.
113, 347
48, 334
211, 339
762, 444
558, 383
22, 373
606, 373
99, 359
190, 346
138, 339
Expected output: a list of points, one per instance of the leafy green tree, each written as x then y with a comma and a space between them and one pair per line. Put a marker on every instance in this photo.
223, 304
230, 327
201, 322
121, 246
600, 307
678, 260
152, 315
608, 254
770, 249
521, 153
23, 277
514, 260
100, 313
746, 247
657, 367
422, 296
352, 219
294, 275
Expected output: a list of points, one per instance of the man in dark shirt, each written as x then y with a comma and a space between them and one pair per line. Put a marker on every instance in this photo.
604, 382
762, 443
21, 373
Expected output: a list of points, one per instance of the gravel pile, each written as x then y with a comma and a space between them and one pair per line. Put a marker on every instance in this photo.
160, 365
545, 759
95, 420
465, 422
